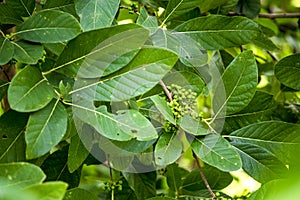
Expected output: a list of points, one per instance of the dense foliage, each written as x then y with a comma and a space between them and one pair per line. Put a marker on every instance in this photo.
148, 99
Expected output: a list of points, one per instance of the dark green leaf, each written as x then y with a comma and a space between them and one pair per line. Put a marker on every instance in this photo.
29, 91
167, 149
237, 86
218, 32
161, 104
49, 26
250, 8
27, 53
95, 47
264, 42
55, 167
14, 175
143, 184
259, 163
48, 191
174, 177
216, 179
6, 50
177, 8
3, 88
217, 152
45, 129
161, 198
275, 136
96, 14
287, 71
12, 141
79, 194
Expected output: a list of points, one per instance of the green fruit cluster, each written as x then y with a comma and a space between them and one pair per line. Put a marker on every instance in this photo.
184, 101
109, 186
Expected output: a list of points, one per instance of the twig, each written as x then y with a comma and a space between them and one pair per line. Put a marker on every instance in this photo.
168, 93
5, 74
270, 15
204, 178
273, 56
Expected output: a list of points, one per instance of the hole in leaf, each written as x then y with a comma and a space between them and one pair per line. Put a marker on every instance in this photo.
133, 131
4, 136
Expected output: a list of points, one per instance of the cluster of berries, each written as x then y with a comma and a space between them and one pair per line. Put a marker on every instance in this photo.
109, 186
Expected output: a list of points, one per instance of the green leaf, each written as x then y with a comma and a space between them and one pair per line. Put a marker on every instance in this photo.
49, 190
217, 32
239, 80
161, 104
287, 71
174, 177
12, 142
6, 50
275, 136
77, 152
161, 198
27, 53
45, 129
55, 167
143, 184
217, 152
189, 51
101, 48
29, 91
206, 5
192, 126
259, 109
250, 8
13, 175
259, 163
49, 26
145, 71
264, 42
96, 14
79, 194
167, 149
146, 20
177, 8
216, 179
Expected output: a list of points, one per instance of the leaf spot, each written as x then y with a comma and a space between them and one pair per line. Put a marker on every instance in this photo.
4, 136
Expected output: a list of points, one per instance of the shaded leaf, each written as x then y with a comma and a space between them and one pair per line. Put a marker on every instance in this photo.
6, 50
12, 141
96, 14
26, 52
264, 42
161, 104
192, 126
167, 149
49, 26
250, 8
174, 177
275, 136
259, 163
287, 71
45, 129
49, 190
216, 179
143, 184
55, 167
29, 91
239, 80
79, 194
95, 46
3, 88
14, 175
216, 151
177, 8
217, 32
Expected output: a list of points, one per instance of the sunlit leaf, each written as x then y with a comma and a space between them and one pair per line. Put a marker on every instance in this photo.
49, 190
96, 14
218, 152
45, 129
29, 91
217, 32
192, 126
161, 104
49, 26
